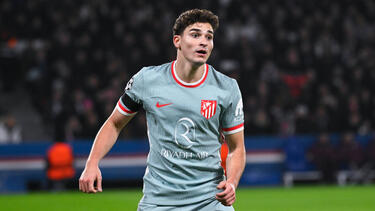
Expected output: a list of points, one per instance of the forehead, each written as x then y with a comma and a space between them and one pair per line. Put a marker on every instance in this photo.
204, 27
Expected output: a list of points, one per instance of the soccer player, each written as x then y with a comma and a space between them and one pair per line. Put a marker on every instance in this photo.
188, 104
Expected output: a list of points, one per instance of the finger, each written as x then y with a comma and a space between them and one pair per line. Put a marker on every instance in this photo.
226, 191
228, 202
85, 186
91, 187
99, 184
82, 184
230, 195
231, 201
232, 198
223, 193
227, 196
221, 185
222, 196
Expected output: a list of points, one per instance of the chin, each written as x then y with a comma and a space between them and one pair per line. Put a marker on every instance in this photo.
196, 61
200, 61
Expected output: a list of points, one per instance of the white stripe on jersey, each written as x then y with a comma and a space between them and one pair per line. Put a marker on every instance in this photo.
233, 131
123, 109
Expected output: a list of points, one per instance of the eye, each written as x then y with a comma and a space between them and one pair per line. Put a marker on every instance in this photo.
209, 37
195, 35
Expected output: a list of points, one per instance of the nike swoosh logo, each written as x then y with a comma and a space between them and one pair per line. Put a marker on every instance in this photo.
162, 105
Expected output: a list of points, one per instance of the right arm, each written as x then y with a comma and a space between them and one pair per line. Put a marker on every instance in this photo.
104, 141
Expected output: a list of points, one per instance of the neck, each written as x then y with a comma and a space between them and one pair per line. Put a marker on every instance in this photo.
188, 71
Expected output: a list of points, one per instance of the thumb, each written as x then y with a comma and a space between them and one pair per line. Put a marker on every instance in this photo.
221, 185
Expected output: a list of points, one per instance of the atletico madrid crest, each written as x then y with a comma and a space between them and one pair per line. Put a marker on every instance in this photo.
208, 108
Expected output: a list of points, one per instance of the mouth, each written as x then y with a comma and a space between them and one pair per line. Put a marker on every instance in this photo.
201, 52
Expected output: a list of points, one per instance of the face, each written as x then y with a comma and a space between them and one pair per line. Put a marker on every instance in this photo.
195, 43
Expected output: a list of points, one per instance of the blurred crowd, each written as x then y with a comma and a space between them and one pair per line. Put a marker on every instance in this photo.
10, 132
303, 66
348, 154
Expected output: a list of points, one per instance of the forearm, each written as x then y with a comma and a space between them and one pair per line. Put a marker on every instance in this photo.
104, 141
236, 158
107, 137
235, 165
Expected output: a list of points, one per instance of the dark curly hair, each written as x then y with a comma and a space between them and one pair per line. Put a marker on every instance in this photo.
194, 16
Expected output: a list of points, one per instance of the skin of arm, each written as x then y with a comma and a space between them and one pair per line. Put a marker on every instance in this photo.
235, 165
104, 141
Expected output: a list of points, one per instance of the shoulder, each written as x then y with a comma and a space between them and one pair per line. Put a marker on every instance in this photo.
157, 68
154, 72
222, 79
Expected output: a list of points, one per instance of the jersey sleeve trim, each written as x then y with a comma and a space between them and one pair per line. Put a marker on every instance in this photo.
124, 110
233, 130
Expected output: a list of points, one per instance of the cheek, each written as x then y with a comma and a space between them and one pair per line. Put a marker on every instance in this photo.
190, 43
187, 46
211, 47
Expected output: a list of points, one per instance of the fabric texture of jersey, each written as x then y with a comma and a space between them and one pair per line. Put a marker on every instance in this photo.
184, 121
210, 205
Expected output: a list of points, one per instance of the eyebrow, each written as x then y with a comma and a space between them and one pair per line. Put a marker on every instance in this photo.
198, 30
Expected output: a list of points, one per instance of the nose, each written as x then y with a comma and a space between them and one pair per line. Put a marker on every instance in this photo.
203, 42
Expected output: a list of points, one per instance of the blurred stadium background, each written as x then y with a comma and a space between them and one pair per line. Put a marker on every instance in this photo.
306, 70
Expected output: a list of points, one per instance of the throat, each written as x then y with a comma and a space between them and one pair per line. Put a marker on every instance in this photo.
189, 73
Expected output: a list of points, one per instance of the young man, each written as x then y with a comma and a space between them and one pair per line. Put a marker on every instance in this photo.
187, 103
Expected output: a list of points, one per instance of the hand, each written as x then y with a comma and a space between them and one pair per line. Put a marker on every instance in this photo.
87, 179
228, 195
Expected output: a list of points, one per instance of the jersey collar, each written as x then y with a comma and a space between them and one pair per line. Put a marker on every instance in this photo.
185, 84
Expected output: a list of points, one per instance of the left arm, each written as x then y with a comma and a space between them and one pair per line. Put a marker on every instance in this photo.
235, 165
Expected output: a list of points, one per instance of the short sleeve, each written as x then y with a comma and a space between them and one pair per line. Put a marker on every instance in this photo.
130, 102
233, 117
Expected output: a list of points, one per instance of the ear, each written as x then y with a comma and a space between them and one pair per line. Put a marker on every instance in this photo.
176, 41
